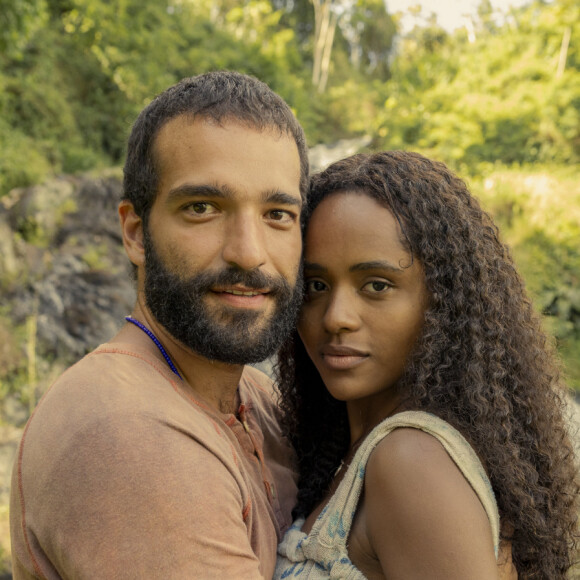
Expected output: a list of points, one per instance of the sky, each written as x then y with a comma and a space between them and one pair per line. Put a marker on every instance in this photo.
450, 13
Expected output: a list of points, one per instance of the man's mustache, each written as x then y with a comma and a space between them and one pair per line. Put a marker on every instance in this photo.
252, 280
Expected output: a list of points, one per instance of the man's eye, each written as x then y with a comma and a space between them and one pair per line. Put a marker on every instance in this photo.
376, 286
200, 208
281, 215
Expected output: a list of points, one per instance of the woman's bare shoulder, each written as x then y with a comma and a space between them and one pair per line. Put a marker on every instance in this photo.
422, 516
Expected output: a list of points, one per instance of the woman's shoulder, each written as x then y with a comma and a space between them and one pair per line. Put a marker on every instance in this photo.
424, 463
408, 453
424, 445
418, 502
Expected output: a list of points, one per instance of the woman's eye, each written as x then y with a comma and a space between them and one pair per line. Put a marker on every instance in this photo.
314, 287
376, 286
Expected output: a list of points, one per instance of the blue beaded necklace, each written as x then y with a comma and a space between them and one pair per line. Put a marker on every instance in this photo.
156, 341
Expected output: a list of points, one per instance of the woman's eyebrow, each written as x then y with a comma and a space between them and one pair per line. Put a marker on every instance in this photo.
313, 267
362, 266
376, 265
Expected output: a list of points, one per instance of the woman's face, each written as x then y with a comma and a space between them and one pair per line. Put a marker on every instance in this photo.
365, 297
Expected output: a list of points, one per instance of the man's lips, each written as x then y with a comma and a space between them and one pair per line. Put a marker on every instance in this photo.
242, 292
241, 295
339, 357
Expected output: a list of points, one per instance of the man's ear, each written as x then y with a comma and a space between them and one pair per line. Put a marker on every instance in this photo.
132, 231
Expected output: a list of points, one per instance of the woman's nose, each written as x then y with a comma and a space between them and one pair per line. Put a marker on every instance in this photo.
341, 314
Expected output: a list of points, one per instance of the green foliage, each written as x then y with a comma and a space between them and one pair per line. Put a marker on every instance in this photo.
71, 92
78, 71
538, 212
5, 565
22, 162
42, 130
491, 103
376, 34
505, 99
569, 350
12, 358
96, 257
14, 367
19, 21
499, 97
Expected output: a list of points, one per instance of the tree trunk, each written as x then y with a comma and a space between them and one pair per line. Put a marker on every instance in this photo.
563, 52
325, 21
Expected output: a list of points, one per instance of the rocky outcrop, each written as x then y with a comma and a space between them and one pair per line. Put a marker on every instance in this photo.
323, 155
63, 270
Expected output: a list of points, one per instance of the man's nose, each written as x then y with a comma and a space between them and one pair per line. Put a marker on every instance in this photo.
244, 243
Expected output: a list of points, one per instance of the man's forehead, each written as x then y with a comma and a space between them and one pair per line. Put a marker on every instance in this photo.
189, 122
227, 157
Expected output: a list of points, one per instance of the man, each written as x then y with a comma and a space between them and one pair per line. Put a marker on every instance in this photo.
159, 455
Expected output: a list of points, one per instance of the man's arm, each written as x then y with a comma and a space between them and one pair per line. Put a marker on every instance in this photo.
134, 498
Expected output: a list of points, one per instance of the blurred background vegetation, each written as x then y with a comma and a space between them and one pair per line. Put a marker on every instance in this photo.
498, 100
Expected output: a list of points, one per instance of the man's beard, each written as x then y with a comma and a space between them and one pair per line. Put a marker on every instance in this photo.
230, 335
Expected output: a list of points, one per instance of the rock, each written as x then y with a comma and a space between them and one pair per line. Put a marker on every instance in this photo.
37, 212
8, 262
9, 439
72, 275
323, 155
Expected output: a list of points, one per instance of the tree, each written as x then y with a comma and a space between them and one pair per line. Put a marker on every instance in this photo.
363, 27
18, 22
326, 14
370, 32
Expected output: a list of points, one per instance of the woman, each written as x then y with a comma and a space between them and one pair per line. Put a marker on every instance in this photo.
423, 401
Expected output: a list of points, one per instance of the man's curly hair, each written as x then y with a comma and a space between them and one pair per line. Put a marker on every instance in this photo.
482, 362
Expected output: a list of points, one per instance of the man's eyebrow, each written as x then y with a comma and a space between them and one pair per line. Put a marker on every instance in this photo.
362, 266
224, 192
189, 190
282, 198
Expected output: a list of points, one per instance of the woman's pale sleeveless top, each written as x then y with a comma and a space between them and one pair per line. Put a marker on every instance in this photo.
323, 553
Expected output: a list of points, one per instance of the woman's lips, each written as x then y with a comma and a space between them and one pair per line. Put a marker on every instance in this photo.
342, 358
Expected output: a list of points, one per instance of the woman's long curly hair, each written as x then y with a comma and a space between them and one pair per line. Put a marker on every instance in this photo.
482, 362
